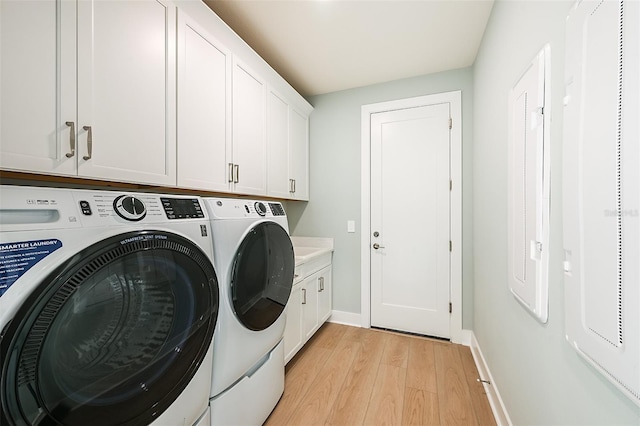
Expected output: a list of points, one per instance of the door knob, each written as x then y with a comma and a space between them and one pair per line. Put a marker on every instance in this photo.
377, 246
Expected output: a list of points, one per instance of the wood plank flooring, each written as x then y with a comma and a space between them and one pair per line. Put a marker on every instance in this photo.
354, 376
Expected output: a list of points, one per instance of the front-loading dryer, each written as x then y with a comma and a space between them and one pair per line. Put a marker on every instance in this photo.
108, 306
255, 263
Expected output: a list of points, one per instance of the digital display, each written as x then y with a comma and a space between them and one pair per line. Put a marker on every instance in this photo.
182, 208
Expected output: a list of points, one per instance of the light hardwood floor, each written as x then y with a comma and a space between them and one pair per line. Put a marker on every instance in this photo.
355, 376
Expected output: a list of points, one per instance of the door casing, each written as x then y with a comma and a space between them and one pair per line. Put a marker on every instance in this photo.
455, 100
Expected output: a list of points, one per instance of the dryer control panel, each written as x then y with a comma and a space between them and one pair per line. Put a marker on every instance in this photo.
229, 208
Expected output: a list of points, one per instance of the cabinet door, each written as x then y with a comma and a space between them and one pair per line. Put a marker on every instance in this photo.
299, 147
204, 98
293, 327
278, 184
126, 90
310, 306
249, 134
324, 295
37, 86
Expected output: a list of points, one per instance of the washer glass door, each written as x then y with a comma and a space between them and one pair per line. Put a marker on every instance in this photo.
262, 275
112, 336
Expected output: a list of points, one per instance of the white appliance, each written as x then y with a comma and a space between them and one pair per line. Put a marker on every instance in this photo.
108, 306
255, 262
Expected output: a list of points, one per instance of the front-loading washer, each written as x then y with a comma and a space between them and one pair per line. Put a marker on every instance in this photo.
255, 263
108, 306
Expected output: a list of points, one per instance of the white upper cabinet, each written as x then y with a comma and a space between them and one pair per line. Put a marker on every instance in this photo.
288, 147
299, 154
204, 105
126, 90
278, 184
249, 166
122, 126
158, 92
37, 86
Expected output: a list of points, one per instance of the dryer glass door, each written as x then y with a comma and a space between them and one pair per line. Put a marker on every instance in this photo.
112, 336
262, 275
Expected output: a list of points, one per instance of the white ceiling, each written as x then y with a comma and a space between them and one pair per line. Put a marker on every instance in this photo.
322, 46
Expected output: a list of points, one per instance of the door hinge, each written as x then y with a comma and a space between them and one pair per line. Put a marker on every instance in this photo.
450, 308
450, 123
450, 246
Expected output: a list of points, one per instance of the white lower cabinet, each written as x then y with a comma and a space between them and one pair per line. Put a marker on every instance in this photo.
309, 305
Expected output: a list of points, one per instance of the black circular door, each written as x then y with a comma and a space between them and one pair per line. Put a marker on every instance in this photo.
112, 336
262, 276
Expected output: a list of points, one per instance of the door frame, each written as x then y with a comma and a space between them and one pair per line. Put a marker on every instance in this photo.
454, 99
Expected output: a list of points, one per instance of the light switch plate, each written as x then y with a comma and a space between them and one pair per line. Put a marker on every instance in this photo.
351, 226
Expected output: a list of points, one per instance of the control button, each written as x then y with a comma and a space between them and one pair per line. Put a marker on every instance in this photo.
129, 207
85, 207
261, 209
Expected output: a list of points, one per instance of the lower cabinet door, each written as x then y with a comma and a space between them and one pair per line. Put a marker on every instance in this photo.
310, 306
324, 295
293, 328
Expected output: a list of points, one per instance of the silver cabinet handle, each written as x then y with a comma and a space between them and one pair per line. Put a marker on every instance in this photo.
322, 283
236, 168
294, 185
291, 186
304, 296
377, 246
89, 143
72, 139
230, 172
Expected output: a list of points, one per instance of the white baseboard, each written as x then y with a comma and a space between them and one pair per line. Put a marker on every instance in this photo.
497, 405
346, 318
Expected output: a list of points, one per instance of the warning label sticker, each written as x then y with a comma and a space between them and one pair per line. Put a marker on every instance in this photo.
16, 258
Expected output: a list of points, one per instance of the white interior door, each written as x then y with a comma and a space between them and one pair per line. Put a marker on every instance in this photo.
410, 220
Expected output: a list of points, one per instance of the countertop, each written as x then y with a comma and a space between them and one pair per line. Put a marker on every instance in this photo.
306, 248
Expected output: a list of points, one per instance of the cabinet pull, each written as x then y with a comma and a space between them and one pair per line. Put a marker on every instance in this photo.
89, 143
72, 139
291, 186
230, 172
321, 284
236, 168
304, 296
294, 186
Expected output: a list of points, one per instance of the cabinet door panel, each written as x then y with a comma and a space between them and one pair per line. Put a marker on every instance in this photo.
324, 295
37, 85
249, 141
277, 146
293, 328
126, 84
310, 306
204, 83
299, 146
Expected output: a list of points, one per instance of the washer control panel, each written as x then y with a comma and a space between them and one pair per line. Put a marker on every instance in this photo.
182, 208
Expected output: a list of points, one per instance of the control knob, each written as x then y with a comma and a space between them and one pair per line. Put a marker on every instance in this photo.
261, 209
129, 207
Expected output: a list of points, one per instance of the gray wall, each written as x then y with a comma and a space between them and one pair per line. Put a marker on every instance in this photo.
541, 379
335, 177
